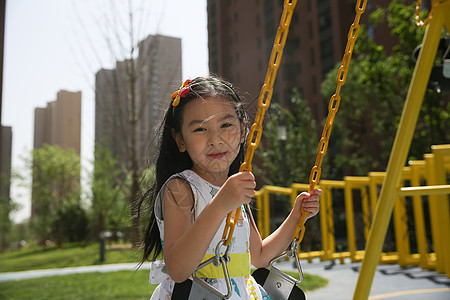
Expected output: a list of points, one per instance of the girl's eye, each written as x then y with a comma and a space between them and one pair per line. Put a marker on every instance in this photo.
226, 125
200, 129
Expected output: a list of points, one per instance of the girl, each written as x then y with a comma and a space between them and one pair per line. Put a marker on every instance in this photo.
197, 184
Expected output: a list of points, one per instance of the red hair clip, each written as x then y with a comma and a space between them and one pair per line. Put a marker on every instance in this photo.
180, 93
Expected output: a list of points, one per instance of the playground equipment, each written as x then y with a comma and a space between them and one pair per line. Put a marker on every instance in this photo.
282, 286
199, 289
438, 18
428, 172
278, 284
391, 188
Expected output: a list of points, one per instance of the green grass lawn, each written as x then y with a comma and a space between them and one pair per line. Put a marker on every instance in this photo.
112, 285
70, 256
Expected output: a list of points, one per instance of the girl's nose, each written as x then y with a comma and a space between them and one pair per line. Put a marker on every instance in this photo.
214, 138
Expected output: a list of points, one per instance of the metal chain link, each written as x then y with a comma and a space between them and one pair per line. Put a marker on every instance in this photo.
265, 96
430, 15
332, 109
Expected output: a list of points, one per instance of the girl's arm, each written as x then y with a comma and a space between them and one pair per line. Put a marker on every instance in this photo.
185, 243
263, 251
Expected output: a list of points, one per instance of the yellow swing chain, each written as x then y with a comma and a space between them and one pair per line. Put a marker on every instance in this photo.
265, 96
430, 15
332, 109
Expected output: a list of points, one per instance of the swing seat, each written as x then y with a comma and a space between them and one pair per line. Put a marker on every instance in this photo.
197, 289
278, 286
190, 290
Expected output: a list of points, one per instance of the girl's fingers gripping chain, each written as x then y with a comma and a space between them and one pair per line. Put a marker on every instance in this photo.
309, 202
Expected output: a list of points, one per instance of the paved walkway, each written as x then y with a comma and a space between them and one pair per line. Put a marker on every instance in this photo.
390, 281
8, 276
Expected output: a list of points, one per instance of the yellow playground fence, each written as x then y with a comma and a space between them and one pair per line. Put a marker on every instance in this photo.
424, 182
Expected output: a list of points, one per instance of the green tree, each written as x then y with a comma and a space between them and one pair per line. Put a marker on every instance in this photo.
109, 209
6, 207
125, 95
70, 223
288, 159
56, 185
109, 202
373, 96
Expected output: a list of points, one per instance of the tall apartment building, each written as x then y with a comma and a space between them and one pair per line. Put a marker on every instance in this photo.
5, 182
5, 170
60, 122
155, 74
241, 34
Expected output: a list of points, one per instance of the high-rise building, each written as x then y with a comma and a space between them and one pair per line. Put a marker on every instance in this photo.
154, 74
241, 35
5, 183
60, 122
5, 171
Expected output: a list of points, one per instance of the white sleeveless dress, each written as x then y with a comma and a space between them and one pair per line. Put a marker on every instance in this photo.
243, 284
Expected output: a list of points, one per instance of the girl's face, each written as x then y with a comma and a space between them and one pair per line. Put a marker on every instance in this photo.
211, 133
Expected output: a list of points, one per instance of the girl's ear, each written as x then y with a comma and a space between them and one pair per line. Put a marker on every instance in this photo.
178, 140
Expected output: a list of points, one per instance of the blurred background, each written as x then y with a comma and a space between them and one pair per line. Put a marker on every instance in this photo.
85, 84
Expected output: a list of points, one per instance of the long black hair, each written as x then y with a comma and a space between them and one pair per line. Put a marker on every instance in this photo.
170, 160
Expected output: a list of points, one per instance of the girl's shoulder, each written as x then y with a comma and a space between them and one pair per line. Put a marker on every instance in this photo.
177, 185
178, 188
179, 182
185, 184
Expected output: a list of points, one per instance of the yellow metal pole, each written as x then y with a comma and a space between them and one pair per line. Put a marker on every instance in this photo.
443, 212
401, 230
375, 179
330, 224
326, 208
323, 213
425, 190
349, 216
399, 152
419, 219
433, 206
365, 210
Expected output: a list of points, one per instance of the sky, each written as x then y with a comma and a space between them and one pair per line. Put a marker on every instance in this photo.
52, 45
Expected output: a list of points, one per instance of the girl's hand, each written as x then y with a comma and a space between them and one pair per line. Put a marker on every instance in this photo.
237, 190
309, 202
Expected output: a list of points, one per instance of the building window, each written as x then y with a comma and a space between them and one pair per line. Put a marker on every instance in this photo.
310, 29
291, 71
312, 57
314, 84
292, 45
370, 32
324, 21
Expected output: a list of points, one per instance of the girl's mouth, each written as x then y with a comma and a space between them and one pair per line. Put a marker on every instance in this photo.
217, 155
